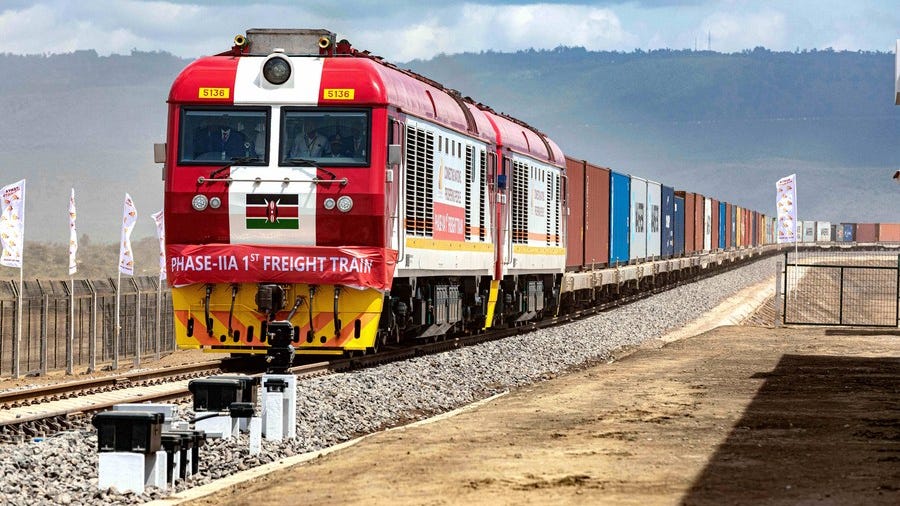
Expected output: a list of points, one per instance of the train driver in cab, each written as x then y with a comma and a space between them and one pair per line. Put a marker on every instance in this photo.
309, 142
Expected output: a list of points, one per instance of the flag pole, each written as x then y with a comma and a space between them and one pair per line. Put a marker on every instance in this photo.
70, 343
17, 349
115, 364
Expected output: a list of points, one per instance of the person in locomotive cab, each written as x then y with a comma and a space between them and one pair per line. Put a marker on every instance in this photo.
349, 147
227, 141
309, 143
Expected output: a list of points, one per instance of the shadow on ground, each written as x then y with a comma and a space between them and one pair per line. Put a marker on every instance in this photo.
821, 430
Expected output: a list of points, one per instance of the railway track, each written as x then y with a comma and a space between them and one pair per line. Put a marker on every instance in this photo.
69, 405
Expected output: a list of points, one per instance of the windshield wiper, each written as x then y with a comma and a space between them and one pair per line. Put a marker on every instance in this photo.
234, 161
305, 162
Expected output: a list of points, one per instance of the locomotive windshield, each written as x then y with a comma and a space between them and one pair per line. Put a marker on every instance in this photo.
213, 136
333, 138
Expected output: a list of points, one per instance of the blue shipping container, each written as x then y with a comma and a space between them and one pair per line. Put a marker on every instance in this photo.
678, 227
619, 217
848, 232
668, 221
722, 227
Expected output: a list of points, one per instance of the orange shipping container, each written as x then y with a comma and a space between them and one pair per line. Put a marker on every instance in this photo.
889, 232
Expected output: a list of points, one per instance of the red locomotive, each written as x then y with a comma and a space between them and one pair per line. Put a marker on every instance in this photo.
310, 183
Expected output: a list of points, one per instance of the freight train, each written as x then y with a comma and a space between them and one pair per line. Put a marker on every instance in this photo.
310, 183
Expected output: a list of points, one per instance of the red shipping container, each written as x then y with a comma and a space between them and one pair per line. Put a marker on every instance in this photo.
596, 213
866, 232
689, 209
575, 220
728, 225
699, 231
714, 234
889, 232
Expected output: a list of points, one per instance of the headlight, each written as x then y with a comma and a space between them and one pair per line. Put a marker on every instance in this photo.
199, 202
277, 70
215, 202
329, 203
344, 204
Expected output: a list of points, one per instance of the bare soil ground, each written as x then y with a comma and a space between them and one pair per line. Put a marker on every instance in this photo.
738, 415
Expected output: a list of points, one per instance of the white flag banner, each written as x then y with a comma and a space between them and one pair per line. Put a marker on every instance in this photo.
126, 256
12, 224
161, 235
786, 206
73, 235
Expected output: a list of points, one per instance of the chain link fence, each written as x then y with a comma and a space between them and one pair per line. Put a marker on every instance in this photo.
49, 312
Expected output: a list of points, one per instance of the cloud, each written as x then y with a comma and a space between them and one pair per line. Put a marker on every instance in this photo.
477, 27
737, 31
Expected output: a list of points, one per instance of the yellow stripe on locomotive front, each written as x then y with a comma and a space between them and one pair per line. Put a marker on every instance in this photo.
358, 312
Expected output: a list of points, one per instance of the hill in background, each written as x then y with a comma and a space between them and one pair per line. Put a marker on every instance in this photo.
725, 125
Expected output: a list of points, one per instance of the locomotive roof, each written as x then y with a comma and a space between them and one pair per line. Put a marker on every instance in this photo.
380, 83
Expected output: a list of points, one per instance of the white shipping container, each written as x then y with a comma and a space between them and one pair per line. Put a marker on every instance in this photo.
654, 207
639, 216
809, 231
823, 231
707, 224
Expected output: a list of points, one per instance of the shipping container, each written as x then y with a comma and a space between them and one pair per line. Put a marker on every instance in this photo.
640, 228
668, 222
809, 231
699, 228
835, 235
733, 233
866, 232
721, 228
712, 223
740, 226
726, 225
679, 224
575, 221
596, 212
654, 224
619, 217
690, 223
823, 231
754, 228
889, 232
848, 231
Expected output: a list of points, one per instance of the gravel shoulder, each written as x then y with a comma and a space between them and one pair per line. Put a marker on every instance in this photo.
738, 415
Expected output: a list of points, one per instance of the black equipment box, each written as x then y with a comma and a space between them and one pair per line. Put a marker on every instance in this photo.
128, 431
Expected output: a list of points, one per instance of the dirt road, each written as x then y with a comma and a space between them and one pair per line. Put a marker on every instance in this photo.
739, 415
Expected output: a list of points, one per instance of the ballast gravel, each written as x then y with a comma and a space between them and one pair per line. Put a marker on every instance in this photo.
335, 408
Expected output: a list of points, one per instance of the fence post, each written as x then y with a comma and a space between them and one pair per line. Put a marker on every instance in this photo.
92, 343
45, 309
778, 279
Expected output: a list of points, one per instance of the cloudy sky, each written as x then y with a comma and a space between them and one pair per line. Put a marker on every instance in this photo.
401, 30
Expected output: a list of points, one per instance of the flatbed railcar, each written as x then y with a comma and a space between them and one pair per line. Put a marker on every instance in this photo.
311, 183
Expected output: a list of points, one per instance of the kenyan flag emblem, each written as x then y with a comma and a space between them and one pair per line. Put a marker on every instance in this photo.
272, 211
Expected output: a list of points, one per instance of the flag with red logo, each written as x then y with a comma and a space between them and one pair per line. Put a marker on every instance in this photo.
276, 211
12, 224
126, 255
73, 235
